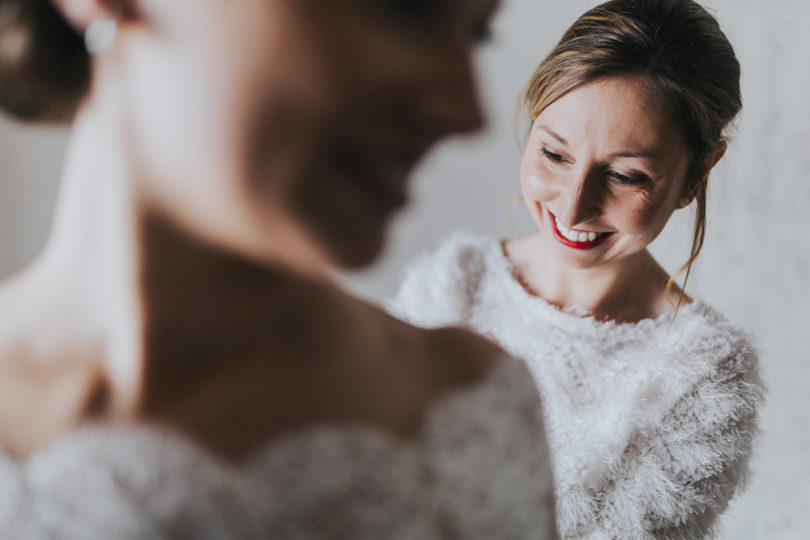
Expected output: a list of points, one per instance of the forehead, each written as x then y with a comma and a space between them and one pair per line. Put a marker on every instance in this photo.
619, 113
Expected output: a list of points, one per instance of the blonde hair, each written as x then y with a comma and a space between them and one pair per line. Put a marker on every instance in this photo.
687, 61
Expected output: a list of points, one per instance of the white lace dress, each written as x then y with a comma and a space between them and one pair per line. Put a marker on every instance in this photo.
478, 469
650, 425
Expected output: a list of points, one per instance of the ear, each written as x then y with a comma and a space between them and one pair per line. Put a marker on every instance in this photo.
80, 13
703, 172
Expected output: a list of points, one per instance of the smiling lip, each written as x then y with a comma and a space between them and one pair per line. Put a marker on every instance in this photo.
571, 243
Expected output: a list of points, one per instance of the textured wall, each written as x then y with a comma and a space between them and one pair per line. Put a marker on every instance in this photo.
755, 266
758, 255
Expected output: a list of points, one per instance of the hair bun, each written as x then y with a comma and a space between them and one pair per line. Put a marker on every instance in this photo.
44, 67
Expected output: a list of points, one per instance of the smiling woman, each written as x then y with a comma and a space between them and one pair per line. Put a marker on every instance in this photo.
651, 397
177, 353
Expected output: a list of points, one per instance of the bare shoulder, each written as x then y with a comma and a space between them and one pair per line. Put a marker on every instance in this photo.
454, 357
39, 403
447, 356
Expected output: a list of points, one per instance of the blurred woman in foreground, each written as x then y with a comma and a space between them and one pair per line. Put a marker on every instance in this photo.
176, 362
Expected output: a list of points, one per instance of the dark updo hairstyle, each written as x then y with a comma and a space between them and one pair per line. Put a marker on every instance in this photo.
686, 59
44, 67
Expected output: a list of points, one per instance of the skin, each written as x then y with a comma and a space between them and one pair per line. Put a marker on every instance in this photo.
607, 157
227, 152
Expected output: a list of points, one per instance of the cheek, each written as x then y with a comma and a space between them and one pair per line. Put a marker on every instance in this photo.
643, 217
536, 181
216, 140
178, 120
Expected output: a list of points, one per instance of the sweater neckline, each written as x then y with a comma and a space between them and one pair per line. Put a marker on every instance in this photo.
574, 316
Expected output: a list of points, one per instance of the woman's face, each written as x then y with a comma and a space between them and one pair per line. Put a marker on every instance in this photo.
604, 169
288, 127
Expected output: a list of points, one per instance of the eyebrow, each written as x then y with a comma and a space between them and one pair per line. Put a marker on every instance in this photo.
554, 134
641, 155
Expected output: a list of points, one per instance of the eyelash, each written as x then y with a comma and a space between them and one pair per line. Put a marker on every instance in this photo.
634, 180
551, 156
622, 179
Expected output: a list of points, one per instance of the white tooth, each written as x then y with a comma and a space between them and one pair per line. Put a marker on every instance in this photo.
573, 236
583, 237
591, 236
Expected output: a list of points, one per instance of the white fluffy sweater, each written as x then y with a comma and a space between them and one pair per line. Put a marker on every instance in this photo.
649, 425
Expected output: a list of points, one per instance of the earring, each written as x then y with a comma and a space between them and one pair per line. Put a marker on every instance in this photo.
100, 35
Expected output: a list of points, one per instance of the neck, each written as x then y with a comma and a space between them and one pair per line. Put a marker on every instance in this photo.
627, 290
208, 312
120, 290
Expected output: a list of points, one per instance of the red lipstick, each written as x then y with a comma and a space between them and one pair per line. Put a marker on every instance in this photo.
571, 243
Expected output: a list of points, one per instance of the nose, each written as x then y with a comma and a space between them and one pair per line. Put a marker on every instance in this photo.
448, 95
581, 198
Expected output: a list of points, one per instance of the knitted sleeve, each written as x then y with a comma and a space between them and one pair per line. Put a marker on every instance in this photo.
438, 289
681, 476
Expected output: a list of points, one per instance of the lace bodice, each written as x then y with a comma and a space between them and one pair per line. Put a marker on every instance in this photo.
477, 469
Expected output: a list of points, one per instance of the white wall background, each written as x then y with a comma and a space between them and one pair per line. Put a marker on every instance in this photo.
755, 265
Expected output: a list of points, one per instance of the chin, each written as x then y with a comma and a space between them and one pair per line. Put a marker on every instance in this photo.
353, 251
354, 257
578, 261
348, 232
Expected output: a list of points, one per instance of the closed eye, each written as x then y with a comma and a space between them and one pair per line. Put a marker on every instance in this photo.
551, 156
633, 180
